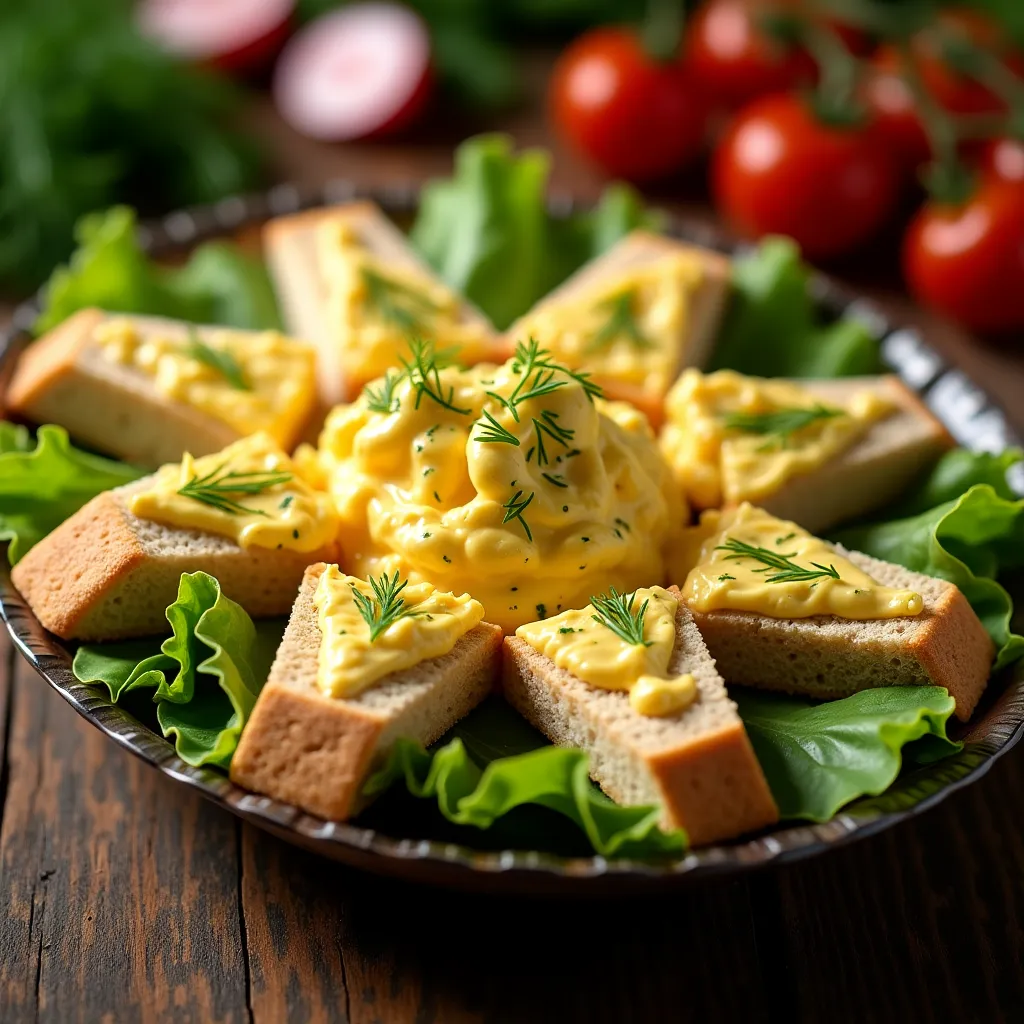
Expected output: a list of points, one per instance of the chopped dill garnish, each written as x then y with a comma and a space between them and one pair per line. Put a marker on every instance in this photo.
615, 611
492, 432
556, 479
216, 359
396, 303
725, 576
621, 323
288, 499
538, 376
423, 370
786, 570
547, 425
514, 509
779, 425
383, 399
217, 486
386, 607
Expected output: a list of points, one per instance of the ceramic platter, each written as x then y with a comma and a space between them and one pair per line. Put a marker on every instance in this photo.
397, 846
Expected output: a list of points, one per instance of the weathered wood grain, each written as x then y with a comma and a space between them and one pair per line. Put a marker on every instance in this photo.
924, 923
120, 889
322, 937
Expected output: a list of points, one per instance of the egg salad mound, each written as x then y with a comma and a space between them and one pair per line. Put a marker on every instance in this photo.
517, 483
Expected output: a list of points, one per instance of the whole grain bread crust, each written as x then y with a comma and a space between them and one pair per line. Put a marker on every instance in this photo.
315, 751
828, 657
698, 764
95, 578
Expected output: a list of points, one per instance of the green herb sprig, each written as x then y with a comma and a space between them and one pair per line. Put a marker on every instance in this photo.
216, 359
492, 432
217, 487
786, 570
620, 323
386, 607
383, 399
423, 370
615, 611
781, 424
538, 376
397, 304
547, 425
514, 508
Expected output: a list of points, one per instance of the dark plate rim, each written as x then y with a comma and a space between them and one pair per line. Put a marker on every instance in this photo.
973, 419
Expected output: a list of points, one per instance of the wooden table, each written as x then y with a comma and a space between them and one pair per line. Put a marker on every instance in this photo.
128, 898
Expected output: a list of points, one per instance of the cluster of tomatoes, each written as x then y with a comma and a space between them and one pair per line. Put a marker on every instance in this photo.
829, 175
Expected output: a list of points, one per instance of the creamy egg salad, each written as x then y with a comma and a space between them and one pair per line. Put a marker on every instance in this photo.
629, 330
372, 628
620, 642
376, 306
731, 438
250, 381
517, 483
746, 560
251, 492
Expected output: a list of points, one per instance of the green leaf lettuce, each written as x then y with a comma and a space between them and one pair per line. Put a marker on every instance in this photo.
773, 327
204, 677
488, 232
41, 487
219, 284
552, 777
819, 757
967, 541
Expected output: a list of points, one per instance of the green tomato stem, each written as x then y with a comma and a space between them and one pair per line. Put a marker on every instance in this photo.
661, 31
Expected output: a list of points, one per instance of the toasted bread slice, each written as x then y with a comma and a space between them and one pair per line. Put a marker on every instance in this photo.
105, 574
302, 284
697, 764
827, 657
316, 751
64, 378
691, 346
873, 471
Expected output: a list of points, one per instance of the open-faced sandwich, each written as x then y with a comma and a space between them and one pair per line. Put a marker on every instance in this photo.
575, 515
349, 282
149, 389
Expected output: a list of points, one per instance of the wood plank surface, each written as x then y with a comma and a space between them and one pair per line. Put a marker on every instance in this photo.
120, 889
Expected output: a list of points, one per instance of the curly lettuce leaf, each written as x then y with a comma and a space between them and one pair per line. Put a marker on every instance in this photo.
968, 541
494, 772
491, 218
956, 472
552, 777
205, 677
219, 284
819, 757
773, 327
41, 487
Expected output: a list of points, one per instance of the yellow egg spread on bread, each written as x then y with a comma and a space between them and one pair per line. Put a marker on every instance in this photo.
628, 328
731, 438
370, 629
619, 642
746, 560
249, 380
250, 492
376, 306
514, 482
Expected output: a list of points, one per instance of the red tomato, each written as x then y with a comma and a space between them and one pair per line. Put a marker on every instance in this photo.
779, 170
968, 260
636, 117
957, 93
735, 60
1004, 159
894, 111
